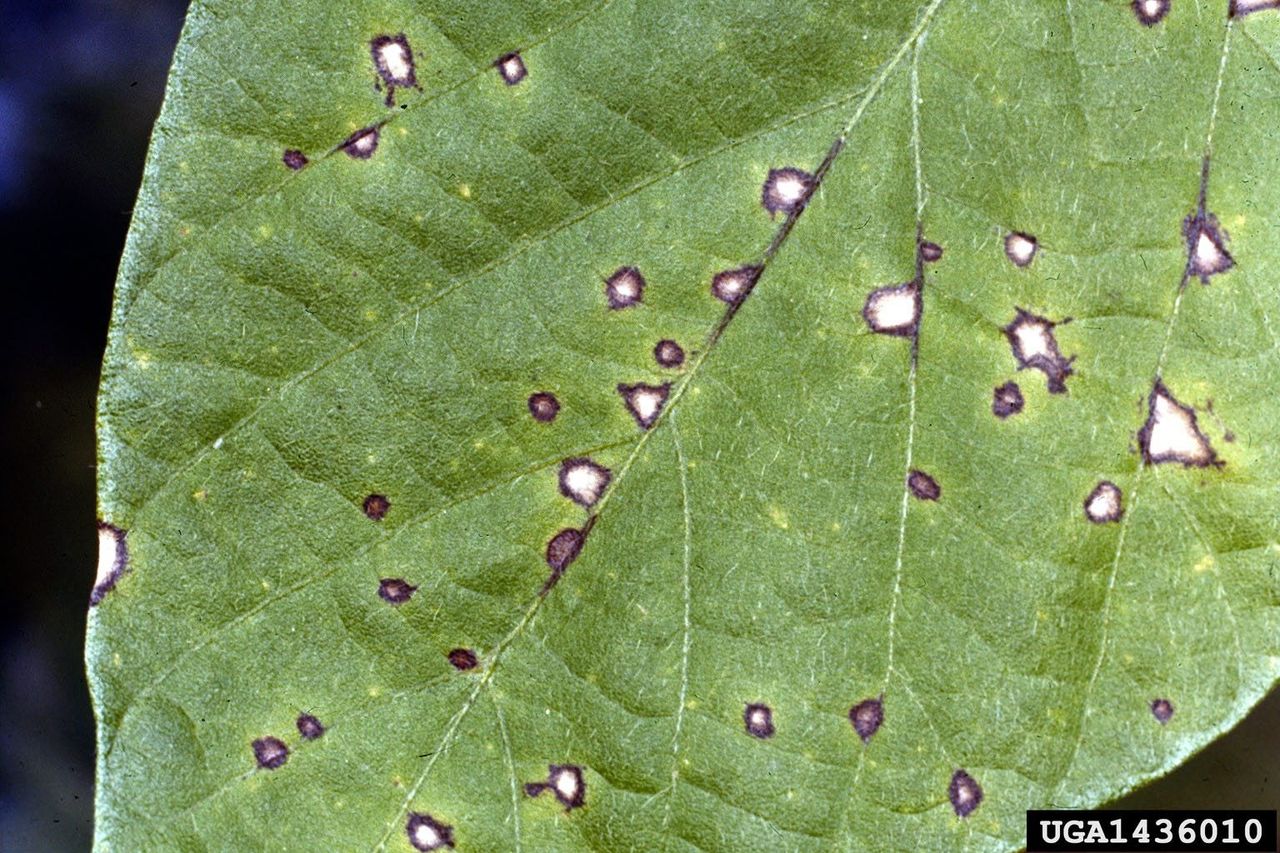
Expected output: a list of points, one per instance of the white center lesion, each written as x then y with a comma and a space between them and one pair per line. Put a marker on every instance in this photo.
1020, 248
1172, 434
395, 62
893, 310
1104, 503
583, 481
112, 557
644, 402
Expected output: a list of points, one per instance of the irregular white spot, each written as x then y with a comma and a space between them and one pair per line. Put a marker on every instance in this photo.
566, 784
1020, 248
645, 402
583, 481
426, 837
1034, 346
362, 143
893, 310
512, 68
395, 62
1171, 433
758, 718
1033, 338
1104, 503
1208, 257
111, 560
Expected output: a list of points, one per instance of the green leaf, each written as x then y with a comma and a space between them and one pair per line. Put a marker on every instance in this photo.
328, 615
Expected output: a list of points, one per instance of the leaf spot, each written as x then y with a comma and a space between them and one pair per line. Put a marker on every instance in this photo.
544, 406
965, 793
1162, 710
1020, 248
1104, 503
463, 659
645, 402
294, 159
376, 507
427, 833
511, 67
361, 144
583, 481
1006, 400
923, 486
668, 353
893, 310
395, 590
1240, 8
866, 718
1172, 434
785, 190
930, 252
563, 549
758, 720
624, 288
1207, 253
1035, 346
113, 559
270, 752
1151, 12
733, 286
309, 727
393, 58
563, 780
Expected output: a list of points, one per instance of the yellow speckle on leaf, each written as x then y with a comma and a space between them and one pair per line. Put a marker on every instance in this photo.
265, 231
779, 517
464, 190
370, 314
1205, 564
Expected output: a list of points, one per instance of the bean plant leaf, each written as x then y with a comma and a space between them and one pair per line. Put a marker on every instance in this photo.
687, 424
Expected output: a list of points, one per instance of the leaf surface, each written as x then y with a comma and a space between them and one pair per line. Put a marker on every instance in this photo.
840, 587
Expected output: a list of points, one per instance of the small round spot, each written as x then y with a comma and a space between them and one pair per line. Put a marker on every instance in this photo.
733, 286
930, 252
866, 718
270, 752
395, 590
294, 159
923, 486
565, 781
668, 353
1151, 12
544, 406
393, 58
563, 549
463, 659
965, 793
1104, 503
624, 288
893, 310
511, 67
583, 481
1162, 710
309, 727
1007, 400
1020, 248
376, 507
645, 402
786, 190
426, 833
758, 720
361, 144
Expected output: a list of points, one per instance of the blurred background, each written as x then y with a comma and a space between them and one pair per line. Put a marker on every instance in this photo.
80, 85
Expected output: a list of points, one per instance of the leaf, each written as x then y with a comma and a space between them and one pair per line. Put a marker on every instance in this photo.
821, 586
